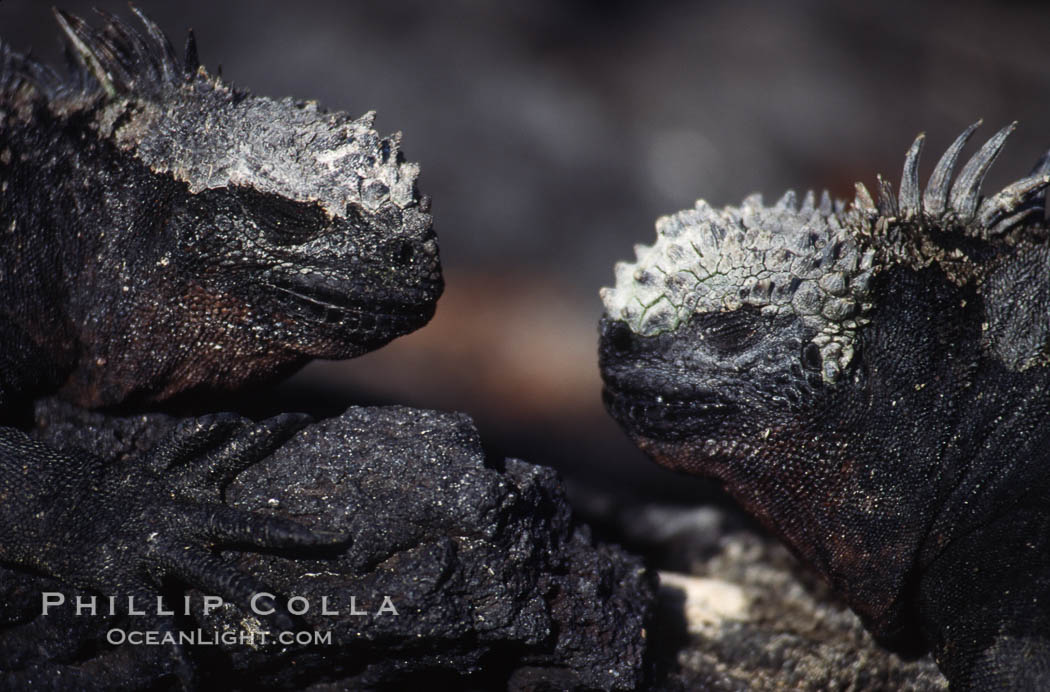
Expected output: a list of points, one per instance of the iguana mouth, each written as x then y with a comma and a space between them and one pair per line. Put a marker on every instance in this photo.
327, 304
667, 417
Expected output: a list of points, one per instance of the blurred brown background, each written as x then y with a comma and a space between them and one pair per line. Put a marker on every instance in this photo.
551, 134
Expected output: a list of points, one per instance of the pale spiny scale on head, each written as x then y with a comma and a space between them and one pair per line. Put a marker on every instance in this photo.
817, 262
179, 119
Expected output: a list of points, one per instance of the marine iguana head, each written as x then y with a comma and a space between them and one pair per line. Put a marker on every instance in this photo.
820, 359
266, 231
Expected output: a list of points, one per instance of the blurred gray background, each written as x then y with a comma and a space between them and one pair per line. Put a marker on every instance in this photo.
552, 134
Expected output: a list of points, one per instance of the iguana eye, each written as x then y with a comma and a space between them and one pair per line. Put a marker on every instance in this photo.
730, 332
284, 221
811, 358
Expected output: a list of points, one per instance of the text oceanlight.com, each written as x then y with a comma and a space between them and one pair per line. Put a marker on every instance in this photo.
257, 638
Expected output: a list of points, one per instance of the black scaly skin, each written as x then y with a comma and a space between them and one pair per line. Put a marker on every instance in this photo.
918, 481
163, 233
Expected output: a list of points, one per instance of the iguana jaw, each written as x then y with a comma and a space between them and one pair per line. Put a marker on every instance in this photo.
714, 370
351, 301
345, 326
265, 274
327, 304
666, 417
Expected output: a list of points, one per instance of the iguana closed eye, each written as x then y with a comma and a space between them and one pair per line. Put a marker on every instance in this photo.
871, 380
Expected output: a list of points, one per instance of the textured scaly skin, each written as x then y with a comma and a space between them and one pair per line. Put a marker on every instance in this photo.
870, 380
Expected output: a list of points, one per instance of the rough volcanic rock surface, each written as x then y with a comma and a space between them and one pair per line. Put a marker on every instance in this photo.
738, 612
493, 581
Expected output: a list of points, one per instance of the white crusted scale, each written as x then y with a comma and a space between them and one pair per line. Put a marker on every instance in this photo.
813, 260
783, 258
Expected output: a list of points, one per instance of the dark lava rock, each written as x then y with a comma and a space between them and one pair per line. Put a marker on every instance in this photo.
494, 584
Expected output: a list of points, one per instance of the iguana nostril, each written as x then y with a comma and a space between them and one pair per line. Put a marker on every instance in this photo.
617, 335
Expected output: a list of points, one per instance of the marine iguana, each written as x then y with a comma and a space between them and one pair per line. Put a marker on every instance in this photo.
165, 233
870, 380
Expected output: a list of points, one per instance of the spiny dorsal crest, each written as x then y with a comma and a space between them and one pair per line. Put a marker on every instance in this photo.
123, 61
815, 261
177, 119
116, 60
959, 207
21, 74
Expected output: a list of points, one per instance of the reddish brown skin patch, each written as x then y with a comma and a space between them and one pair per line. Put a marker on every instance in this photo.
813, 511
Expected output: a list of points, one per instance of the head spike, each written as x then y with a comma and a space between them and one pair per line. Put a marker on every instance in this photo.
168, 59
825, 203
788, 201
1042, 167
22, 70
164, 51
935, 200
910, 196
887, 201
808, 203
967, 188
190, 62
80, 38
863, 200
1026, 195
122, 51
